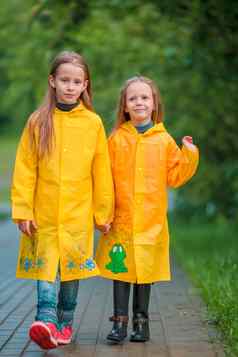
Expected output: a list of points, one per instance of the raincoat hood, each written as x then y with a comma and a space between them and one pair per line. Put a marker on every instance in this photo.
129, 127
81, 107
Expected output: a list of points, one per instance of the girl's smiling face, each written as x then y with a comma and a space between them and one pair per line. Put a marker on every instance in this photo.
139, 102
69, 83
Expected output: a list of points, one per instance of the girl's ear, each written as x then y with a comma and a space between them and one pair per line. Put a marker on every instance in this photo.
51, 81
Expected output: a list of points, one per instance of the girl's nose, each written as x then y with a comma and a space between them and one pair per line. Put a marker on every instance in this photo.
70, 86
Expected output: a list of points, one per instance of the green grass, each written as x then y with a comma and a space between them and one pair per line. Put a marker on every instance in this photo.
208, 252
7, 157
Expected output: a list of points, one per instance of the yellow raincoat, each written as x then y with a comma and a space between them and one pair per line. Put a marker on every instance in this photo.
63, 193
143, 165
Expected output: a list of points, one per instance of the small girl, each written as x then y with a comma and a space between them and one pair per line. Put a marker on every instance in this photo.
62, 183
145, 161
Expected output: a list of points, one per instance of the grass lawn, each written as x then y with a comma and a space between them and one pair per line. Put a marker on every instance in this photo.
7, 157
209, 253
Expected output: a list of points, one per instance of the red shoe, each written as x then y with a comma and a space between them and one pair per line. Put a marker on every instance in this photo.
44, 334
65, 335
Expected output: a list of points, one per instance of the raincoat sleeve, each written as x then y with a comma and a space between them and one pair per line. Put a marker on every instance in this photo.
24, 180
103, 195
181, 164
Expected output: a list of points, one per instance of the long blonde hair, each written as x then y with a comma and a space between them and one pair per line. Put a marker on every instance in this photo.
42, 118
157, 114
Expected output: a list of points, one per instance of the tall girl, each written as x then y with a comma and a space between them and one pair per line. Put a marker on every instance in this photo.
61, 184
145, 162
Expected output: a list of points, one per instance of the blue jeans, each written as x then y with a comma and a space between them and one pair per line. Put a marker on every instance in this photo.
48, 309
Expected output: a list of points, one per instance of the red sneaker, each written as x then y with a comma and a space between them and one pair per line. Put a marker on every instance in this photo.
44, 334
65, 335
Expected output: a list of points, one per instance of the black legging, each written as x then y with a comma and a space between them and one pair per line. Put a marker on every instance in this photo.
121, 294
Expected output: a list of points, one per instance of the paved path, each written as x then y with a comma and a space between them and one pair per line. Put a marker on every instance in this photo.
176, 314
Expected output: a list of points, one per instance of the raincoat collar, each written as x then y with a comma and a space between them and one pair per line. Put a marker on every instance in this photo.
157, 128
79, 107
66, 107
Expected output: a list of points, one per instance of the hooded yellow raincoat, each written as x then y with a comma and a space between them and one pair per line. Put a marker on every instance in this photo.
143, 165
63, 194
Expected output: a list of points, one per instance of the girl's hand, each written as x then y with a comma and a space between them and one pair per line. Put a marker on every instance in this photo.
104, 228
188, 142
27, 227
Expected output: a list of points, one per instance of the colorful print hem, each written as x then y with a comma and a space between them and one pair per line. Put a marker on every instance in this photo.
28, 264
88, 264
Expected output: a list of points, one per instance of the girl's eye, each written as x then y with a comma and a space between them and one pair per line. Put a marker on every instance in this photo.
144, 97
131, 99
77, 82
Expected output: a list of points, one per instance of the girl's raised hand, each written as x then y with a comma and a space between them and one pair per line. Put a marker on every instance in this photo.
188, 142
27, 227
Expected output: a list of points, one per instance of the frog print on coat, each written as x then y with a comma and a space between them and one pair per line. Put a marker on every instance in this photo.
117, 255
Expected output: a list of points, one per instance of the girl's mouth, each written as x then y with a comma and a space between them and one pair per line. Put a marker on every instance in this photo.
139, 110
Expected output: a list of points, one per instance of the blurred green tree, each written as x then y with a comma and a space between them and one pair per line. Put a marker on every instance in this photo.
189, 48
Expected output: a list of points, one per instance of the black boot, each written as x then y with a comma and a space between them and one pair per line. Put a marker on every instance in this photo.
141, 298
121, 293
119, 329
141, 330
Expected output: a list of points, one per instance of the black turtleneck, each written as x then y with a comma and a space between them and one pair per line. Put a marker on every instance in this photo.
66, 107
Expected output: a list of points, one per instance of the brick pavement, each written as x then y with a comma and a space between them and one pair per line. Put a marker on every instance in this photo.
176, 314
